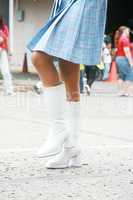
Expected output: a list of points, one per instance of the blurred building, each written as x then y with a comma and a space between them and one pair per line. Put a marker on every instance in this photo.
25, 17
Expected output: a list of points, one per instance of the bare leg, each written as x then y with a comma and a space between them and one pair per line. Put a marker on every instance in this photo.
46, 69
55, 100
70, 74
128, 88
59, 136
121, 84
70, 155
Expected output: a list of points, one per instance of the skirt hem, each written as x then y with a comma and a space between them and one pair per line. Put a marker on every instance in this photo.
68, 58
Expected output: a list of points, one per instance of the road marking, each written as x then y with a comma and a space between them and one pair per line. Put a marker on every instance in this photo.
20, 150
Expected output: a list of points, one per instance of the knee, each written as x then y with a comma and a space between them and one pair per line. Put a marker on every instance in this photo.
41, 59
35, 58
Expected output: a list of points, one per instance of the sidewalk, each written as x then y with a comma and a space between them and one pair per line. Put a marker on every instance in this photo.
106, 139
23, 82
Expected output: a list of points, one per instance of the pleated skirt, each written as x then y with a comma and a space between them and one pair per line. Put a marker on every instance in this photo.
74, 31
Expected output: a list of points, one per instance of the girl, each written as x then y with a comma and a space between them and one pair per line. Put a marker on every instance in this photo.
107, 59
74, 35
124, 60
4, 64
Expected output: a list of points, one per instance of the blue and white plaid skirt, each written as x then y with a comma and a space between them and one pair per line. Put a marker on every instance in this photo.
74, 31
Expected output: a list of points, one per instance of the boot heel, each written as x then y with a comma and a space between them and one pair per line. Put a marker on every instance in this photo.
75, 162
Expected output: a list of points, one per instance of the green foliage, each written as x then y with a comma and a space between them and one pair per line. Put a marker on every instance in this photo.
1, 77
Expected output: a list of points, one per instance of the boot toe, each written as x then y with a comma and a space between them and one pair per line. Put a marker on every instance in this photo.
51, 164
47, 152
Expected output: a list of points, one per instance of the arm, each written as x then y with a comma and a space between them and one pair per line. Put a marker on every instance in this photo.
5, 32
128, 55
1, 37
5, 35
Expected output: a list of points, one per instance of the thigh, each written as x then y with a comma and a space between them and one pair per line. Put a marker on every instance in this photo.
45, 67
40, 59
121, 75
70, 72
123, 65
129, 76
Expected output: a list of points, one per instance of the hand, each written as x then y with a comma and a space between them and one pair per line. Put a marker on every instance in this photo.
131, 64
1, 40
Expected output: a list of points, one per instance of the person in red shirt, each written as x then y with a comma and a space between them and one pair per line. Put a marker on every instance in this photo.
4, 64
131, 46
124, 60
4, 37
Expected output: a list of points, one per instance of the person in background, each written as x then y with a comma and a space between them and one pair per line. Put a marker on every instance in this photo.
107, 59
92, 72
4, 64
131, 47
38, 87
81, 79
124, 60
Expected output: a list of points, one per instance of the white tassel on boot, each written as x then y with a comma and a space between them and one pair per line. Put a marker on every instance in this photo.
70, 156
55, 99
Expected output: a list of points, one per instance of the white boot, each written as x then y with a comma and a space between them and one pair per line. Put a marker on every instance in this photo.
70, 156
55, 99
4, 65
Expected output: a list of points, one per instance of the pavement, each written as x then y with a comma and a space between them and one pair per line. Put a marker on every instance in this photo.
22, 82
106, 139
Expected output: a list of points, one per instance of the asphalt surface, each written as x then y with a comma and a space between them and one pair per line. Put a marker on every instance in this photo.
107, 149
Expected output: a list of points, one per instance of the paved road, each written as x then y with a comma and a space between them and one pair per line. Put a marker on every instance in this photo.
106, 139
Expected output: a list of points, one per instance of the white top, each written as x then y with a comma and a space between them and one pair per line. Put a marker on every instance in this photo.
107, 56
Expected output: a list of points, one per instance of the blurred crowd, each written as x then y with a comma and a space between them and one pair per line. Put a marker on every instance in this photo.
117, 49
